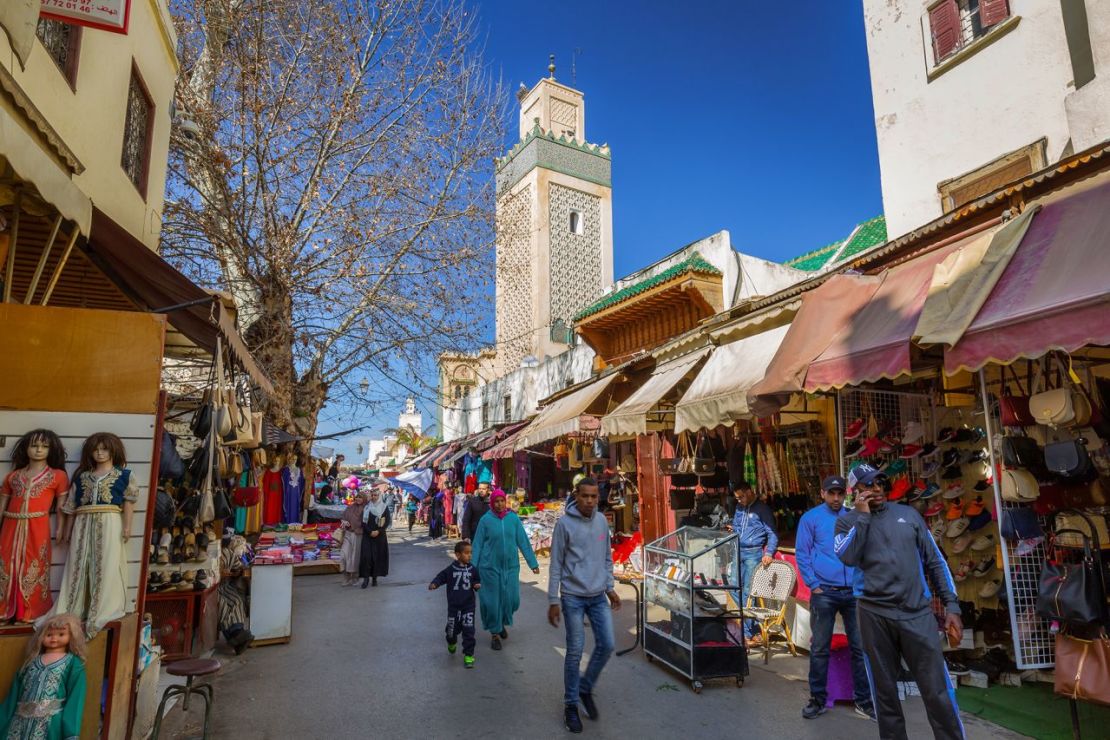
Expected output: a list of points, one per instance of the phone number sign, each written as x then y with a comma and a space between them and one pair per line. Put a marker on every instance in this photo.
107, 15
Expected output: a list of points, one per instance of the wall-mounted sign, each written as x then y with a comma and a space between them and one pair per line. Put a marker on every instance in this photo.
107, 15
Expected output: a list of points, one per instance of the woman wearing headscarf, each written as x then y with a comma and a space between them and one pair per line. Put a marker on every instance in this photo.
435, 516
499, 537
351, 521
374, 559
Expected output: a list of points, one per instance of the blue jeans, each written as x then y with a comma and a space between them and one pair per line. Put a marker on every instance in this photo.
750, 558
822, 617
575, 610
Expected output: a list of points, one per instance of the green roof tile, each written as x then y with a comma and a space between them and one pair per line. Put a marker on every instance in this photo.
814, 260
694, 263
865, 236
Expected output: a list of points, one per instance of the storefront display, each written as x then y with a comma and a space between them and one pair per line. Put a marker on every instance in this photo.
691, 611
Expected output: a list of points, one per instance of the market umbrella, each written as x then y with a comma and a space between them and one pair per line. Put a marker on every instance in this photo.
416, 482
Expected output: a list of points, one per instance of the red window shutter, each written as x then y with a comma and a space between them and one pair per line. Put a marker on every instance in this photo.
944, 25
993, 11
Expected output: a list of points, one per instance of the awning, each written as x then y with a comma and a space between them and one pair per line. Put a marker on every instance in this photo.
52, 182
503, 444
156, 285
824, 313
719, 394
631, 416
561, 417
875, 344
1054, 293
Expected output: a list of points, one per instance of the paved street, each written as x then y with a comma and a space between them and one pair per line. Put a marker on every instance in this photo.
373, 663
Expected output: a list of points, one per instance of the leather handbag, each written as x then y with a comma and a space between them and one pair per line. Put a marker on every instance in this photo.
685, 453
1068, 458
202, 418
1083, 668
1053, 408
668, 463
1018, 486
1014, 410
1069, 522
574, 455
1072, 593
246, 496
1021, 452
165, 509
170, 464
256, 430
1019, 524
704, 461
221, 508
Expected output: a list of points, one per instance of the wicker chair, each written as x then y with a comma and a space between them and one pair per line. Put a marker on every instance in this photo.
771, 587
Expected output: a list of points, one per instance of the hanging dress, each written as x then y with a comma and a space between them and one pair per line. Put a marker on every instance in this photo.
292, 485
25, 543
94, 585
45, 702
273, 497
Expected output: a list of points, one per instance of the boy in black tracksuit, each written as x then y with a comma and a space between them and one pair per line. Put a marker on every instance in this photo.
896, 561
461, 579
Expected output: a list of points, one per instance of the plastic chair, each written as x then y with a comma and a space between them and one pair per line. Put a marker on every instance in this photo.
771, 587
189, 669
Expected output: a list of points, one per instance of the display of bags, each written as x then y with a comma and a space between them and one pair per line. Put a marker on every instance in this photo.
1078, 526
1020, 524
1083, 668
574, 455
1014, 410
1018, 485
600, 448
170, 464
1053, 408
1068, 458
685, 454
221, 506
246, 496
1021, 452
165, 509
1072, 593
704, 462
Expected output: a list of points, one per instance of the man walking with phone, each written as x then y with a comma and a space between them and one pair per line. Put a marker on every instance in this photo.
580, 585
898, 561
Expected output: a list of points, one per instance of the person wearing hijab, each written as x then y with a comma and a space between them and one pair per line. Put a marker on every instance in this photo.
435, 516
351, 521
496, 542
374, 558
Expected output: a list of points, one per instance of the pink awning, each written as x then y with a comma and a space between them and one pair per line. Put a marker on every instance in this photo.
1055, 293
876, 343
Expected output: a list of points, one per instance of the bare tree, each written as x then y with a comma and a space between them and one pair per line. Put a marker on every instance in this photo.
330, 168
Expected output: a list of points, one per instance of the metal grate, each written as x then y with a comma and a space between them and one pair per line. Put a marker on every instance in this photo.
891, 412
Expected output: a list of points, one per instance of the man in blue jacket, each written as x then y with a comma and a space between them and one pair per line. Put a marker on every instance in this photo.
756, 540
830, 582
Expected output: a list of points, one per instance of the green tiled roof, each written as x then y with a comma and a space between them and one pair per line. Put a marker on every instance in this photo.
866, 235
694, 263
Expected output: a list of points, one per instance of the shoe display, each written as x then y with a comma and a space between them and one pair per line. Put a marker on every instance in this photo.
961, 543
895, 467
589, 705
853, 448
950, 457
935, 508
957, 527
928, 450
571, 719
963, 571
855, 429
871, 447
980, 520
963, 435
909, 452
984, 567
952, 473
899, 489
990, 589
930, 468
930, 491
814, 709
983, 542
955, 510
974, 456
947, 434
956, 668
915, 492
974, 507
886, 446
913, 433
938, 529
982, 485
953, 490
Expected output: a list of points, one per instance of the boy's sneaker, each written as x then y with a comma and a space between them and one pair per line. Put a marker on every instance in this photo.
814, 709
468, 660
452, 647
571, 718
588, 704
867, 711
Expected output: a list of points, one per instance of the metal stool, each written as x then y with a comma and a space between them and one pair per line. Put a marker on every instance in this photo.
190, 669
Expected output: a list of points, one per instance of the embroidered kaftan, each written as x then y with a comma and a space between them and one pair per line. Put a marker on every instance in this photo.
25, 543
45, 702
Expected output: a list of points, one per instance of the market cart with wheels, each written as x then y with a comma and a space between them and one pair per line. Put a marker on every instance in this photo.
691, 610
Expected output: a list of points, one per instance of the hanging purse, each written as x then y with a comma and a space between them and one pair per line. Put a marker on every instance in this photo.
574, 455
1014, 410
1068, 458
1072, 593
165, 509
221, 508
601, 449
1083, 668
1019, 524
1074, 521
668, 462
685, 453
704, 461
1021, 452
248, 493
1018, 486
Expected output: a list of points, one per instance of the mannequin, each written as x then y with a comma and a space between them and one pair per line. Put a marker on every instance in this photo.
272, 493
292, 482
37, 479
98, 512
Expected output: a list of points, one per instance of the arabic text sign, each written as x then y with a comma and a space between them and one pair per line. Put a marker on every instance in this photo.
109, 15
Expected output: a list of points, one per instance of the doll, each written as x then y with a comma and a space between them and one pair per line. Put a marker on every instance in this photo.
37, 479
47, 697
98, 524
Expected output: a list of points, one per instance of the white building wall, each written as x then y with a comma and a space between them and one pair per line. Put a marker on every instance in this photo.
1007, 96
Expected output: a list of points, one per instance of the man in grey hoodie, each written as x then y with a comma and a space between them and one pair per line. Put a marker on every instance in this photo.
581, 582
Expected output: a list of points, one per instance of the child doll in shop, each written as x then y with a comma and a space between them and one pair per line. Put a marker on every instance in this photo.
47, 697
37, 480
461, 579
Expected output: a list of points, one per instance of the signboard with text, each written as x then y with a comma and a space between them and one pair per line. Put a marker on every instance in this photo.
107, 15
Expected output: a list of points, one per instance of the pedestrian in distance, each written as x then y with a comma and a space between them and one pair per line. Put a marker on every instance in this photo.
499, 538
756, 541
898, 562
476, 507
374, 558
580, 586
435, 515
831, 585
410, 510
461, 579
351, 549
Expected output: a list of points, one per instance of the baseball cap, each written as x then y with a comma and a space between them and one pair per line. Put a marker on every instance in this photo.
834, 481
864, 473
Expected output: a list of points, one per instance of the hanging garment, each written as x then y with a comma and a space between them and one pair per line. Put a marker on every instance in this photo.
25, 542
749, 464
273, 497
94, 585
292, 484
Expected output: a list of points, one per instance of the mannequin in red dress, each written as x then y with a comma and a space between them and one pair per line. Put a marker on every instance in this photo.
272, 492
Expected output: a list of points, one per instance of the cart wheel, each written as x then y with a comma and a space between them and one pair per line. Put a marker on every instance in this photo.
739, 682
697, 687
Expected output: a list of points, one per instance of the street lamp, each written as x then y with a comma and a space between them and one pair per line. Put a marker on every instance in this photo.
359, 448
364, 386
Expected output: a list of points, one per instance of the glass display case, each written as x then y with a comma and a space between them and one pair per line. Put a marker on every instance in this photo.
692, 605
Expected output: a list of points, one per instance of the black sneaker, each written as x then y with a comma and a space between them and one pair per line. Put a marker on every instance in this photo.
814, 709
571, 718
867, 711
588, 704
956, 668
495, 643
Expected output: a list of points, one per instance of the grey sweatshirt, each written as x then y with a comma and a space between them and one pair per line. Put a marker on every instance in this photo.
581, 558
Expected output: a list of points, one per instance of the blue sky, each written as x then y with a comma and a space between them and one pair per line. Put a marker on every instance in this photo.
754, 117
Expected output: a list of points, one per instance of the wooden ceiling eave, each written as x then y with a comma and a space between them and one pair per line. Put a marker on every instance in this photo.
648, 304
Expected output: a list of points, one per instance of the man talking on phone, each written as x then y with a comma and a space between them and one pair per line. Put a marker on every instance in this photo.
897, 561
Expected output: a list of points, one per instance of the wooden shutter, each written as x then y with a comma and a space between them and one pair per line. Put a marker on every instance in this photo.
944, 26
993, 11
